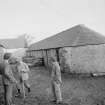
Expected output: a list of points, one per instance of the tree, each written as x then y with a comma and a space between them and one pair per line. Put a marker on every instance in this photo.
28, 40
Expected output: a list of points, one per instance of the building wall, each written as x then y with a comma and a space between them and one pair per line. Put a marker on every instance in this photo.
36, 54
83, 59
45, 57
65, 58
2, 50
46, 54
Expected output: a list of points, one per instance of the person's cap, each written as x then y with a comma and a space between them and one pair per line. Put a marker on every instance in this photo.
7, 56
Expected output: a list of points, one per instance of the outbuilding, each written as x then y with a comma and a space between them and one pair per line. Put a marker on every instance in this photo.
2, 50
78, 50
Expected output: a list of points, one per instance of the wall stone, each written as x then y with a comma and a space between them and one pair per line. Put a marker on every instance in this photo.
83, 59
80, 59
65, 59
1, 54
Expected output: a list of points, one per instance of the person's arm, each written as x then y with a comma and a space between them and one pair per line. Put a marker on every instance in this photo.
26, 66
28, 70
52, 72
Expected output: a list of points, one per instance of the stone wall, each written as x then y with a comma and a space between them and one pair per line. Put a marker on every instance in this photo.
80, 59
1, 54
83, 59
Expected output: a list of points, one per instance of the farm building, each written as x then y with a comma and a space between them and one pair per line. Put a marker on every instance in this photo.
1, 52
16, 46
13, 43
78, 50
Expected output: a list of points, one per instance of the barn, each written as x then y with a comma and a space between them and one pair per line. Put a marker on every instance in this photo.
1, 52
13, 43
78, 50
16, 46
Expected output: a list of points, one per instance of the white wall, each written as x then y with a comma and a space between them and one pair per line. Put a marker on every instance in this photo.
90, 58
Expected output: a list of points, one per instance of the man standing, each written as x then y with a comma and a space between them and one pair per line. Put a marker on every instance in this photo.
8, 80
56, 81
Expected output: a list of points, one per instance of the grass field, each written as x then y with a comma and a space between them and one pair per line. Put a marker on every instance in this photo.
76, 90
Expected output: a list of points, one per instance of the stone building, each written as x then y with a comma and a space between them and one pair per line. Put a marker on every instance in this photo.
78, 50
2, 50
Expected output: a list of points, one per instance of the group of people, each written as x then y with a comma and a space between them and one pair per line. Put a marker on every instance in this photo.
15, 73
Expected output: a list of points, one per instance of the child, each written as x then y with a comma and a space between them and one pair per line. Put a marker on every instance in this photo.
23, 70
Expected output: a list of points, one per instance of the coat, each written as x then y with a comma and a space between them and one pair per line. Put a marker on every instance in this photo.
23, 70
56, 73
7, 73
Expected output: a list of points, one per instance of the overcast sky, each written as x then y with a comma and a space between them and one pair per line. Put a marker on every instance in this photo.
42, 18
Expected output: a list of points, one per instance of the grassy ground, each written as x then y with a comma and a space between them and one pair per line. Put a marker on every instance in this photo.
76, 90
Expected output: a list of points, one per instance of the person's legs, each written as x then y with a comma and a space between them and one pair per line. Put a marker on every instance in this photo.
58, 92
5, 91
53, 92
9, 89
26, 84
23, 89
18, 88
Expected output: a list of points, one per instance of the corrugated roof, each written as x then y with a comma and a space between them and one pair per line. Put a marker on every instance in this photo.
13, 43
75, 36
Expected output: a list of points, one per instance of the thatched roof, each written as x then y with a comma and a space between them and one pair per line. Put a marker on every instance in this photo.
75, 36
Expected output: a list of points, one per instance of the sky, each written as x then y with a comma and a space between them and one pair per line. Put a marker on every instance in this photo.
44, 18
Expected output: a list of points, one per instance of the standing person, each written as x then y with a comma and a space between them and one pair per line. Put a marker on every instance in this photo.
2, 51
8, 80
56, 81
13, 62
23, 70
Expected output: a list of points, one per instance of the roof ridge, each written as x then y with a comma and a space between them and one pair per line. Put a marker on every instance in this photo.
75, 36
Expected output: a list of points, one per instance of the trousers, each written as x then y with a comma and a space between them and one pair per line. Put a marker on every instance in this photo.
8, 94
56, 91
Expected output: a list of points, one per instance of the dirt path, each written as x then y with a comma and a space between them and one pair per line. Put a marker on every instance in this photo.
76, 90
